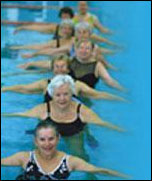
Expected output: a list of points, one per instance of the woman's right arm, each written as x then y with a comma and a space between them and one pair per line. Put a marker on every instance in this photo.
14, 160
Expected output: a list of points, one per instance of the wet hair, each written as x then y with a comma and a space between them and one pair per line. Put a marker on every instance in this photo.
44, 125
70, 23
85, 41
67, 22
83, 26
60, 80
66, 10
58, 58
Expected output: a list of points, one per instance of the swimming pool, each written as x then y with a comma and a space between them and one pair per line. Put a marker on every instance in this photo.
130, 152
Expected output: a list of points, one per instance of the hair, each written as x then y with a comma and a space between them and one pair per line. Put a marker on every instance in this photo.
45, 125
66, 10
64, 58
70, 23
83, 26
67, 22
85, 41
85, 2
60, 80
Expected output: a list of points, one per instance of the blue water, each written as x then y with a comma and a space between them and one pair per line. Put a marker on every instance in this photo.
130, 152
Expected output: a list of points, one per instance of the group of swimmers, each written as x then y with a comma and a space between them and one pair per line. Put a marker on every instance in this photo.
77, 62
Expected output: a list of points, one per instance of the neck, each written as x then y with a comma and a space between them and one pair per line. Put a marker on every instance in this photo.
52, 155
83, 60
83, 14
61, 110
66, 38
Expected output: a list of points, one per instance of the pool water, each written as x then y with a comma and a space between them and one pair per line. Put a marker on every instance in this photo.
128, 152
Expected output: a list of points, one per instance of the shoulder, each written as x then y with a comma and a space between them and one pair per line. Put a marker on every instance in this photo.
93, 16
22, 157
85, 112
74, 162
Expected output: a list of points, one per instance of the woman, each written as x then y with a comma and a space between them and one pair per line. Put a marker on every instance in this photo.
64, 13
82, 32
70, 117
66, 34
60, 65
46, 162
84, 16
89, 69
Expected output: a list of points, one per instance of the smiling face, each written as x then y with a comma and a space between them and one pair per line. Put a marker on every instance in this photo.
82, 34
60, 67
84, 51
65, 16
62, 96
83, 7
46, 141
66, 31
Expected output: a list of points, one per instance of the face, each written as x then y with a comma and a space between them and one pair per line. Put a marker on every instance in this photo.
83, 34
60, 67
46, 141
65, 16
62, 96
84, 51
83, 7
66, 31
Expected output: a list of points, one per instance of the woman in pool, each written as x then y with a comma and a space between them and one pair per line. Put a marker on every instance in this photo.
84, 16
86, 66
60, 65
69, 116
66, 34
64, 13
46, 162
82, 32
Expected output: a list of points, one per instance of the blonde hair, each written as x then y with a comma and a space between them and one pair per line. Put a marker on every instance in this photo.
58, 58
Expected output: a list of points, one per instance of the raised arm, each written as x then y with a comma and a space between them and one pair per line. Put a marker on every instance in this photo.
77, 164
88, 116
33, 88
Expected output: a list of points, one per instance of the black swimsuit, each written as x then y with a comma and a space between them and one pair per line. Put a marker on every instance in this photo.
84, 72
33, 170
67, 129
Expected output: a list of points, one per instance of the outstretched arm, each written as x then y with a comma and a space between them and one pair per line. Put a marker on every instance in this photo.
44, 64
101, 28
36, 112
77, 164
33, 88
88, 116
87, 91
48, 52
36, 27
31, 47
14, 160
101, 39
104, 75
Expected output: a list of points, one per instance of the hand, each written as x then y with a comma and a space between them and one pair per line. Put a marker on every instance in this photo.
14, 47
27, 55
24, 66
17, 30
